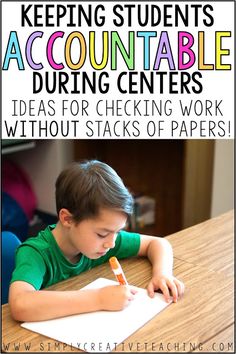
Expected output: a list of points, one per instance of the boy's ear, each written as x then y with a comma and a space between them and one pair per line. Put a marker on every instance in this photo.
65, 217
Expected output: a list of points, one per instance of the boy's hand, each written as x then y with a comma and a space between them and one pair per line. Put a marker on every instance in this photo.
115, 297
168, 284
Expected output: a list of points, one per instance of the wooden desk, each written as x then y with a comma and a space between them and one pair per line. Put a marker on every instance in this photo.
209, 244
201, 321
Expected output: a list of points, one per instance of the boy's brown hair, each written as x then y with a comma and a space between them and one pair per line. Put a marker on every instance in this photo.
84, 188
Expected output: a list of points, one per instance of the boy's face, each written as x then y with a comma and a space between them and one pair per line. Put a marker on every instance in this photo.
94, 237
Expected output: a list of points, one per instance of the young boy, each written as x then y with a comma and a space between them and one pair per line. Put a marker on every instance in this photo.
92, 205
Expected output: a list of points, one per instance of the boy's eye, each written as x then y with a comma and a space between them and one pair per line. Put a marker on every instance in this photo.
102, 236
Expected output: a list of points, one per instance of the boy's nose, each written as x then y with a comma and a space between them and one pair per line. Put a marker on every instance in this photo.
110, 243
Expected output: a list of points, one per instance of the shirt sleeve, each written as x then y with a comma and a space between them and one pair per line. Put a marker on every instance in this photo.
30, 267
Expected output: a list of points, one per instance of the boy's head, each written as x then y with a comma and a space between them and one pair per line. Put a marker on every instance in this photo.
85, 188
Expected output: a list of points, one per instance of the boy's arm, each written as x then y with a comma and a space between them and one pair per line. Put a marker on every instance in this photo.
159, 251
28, 304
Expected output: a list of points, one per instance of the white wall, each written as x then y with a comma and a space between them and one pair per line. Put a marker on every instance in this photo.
43, 164
223, 177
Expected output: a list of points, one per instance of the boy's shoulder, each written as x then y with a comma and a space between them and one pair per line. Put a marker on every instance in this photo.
42, 240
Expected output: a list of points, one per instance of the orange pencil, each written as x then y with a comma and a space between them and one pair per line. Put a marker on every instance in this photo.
117, 270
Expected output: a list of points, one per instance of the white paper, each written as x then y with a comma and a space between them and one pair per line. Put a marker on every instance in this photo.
101, 331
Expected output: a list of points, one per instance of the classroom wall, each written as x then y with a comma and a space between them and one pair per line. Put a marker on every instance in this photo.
43, 164
223, 177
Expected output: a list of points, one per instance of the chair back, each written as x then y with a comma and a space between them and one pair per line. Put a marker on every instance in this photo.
10, 242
